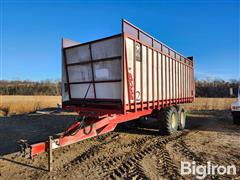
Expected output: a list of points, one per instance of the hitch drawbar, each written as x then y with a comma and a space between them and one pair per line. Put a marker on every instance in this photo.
80, 130
83, 128
26, 150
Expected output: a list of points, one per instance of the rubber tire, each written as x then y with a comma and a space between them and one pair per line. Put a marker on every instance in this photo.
164, 117
236, 117
181, 125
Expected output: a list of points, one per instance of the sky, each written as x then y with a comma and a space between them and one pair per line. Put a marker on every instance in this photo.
31, 32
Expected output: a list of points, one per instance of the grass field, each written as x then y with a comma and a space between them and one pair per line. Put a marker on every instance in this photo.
211, 104
23, 104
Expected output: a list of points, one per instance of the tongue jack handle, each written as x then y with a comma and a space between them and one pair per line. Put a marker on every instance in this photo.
25, 149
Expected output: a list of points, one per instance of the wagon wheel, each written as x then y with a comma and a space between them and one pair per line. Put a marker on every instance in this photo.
182, 117
168, 120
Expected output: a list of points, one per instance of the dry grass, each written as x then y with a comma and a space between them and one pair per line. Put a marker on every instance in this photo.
211, 104
24, 104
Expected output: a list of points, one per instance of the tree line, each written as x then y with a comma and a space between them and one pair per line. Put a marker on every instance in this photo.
47, 87
216, 88
204, 88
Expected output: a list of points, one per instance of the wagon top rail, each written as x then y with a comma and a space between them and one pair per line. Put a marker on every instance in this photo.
141, 35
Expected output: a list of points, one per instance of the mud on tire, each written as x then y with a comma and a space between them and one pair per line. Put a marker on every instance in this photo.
168, 120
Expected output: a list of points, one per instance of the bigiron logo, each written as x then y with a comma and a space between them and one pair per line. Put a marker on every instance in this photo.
201, 171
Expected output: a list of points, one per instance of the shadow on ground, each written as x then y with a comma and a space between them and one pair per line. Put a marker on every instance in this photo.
31, 127
214, 120
217, 121
37, 127
23, 164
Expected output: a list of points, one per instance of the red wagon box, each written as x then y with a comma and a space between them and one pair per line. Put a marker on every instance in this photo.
117, 79
128, 72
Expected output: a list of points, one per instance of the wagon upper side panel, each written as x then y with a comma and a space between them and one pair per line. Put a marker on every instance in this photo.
94, 70
155, 75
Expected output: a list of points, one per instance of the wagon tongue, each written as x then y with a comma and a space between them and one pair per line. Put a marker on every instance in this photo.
73, 129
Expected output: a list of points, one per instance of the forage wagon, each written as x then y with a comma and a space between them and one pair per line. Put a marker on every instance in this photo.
117, 79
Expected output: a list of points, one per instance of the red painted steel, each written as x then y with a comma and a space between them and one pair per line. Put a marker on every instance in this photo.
141, 84
175, 77
95, 112
153, 107
172, 80
38, 148
162, 78
179, 81
169, 81
167, 55
166, 81
134, 59
104, 117
124, 72
183, 64
158, 104
147, 79
193, 82
97, 127
127, 76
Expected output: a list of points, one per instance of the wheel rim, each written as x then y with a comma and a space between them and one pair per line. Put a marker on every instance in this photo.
182, 119
173, 120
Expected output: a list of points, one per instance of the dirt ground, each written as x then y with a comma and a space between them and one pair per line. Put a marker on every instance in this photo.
126, 153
